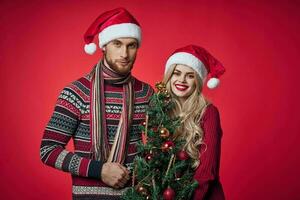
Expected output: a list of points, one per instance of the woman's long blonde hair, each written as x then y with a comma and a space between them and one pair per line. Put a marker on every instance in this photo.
190, 113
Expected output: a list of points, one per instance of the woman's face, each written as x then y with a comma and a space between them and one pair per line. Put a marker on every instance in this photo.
183, 81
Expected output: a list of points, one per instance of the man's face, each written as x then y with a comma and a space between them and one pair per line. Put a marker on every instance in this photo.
120, 54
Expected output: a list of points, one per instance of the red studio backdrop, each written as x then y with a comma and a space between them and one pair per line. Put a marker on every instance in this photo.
41, 51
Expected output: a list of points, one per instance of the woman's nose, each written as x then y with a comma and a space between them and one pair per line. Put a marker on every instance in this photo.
182, 78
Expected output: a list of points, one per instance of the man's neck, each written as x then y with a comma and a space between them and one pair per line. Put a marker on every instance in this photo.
105, 63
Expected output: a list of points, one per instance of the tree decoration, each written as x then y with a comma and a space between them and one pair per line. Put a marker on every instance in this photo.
154, 129
166, 146
178, 175
149, 157
169, 194
162, 166
164, 133
143, 123
142, 190
182, 155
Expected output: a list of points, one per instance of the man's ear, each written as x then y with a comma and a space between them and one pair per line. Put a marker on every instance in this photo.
104, 48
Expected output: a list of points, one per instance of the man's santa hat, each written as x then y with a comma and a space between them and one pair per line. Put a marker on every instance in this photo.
201, 61
113, 24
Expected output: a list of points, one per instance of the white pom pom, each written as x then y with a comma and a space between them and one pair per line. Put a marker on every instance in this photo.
90, 48
213, 83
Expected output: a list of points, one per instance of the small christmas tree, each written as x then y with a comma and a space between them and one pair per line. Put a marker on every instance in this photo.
163, 169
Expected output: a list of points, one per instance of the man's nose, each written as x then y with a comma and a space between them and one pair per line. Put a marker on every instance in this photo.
124, 52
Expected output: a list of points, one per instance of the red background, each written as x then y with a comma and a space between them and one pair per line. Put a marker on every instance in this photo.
41, 51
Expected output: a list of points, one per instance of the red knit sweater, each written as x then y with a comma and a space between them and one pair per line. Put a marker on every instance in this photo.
207, 174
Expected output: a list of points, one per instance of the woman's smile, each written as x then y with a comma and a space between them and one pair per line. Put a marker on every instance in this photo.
181, 87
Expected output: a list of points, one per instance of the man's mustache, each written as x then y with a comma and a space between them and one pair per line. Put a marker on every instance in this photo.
123, 60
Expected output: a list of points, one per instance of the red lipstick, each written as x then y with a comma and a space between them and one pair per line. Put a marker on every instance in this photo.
181, 87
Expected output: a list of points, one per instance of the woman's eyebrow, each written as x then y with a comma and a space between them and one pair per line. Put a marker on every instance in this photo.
190, 73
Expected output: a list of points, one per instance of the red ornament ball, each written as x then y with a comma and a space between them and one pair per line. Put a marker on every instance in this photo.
143, 123
178, 175
149, 156
182, 155
169, 194
155, 129
167, 146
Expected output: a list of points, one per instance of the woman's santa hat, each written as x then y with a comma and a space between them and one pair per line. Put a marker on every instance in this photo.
201, 61
109, 26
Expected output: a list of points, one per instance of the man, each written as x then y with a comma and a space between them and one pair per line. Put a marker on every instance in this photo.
101, 112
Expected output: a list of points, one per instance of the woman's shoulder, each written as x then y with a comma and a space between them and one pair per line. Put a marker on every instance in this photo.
211, 120
211, 111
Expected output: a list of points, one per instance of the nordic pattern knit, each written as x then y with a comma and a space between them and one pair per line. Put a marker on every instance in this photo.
71, 119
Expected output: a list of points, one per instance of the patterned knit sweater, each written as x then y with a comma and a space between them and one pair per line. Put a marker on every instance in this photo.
71, 119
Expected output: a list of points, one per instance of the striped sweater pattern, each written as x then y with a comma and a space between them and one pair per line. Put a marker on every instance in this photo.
71, 120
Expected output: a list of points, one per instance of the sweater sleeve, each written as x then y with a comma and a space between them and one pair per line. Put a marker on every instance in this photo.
58, 132
208, 170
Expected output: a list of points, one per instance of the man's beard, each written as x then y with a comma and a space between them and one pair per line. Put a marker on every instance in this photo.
114, 66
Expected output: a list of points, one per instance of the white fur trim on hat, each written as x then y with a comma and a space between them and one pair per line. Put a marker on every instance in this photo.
189, 60
213, 83
118, 31
90, 48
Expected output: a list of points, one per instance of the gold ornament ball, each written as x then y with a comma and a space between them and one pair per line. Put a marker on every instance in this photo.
160, 87
143, 191
164, 133
166, 93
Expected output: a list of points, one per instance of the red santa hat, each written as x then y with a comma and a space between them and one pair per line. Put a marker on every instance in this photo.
201, 61
109, 26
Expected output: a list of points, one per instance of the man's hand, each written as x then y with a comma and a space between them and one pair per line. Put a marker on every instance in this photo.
114, 174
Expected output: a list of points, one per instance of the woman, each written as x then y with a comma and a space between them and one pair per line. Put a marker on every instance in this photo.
185, 72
